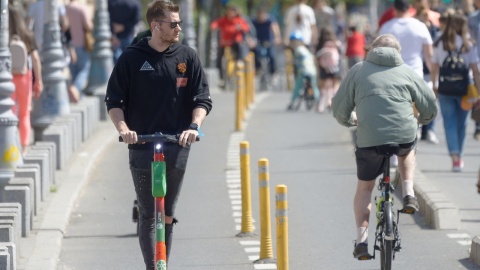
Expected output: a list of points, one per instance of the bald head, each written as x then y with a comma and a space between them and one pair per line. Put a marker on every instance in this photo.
386, 40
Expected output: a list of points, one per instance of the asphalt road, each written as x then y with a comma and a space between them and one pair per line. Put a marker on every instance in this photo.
307, 151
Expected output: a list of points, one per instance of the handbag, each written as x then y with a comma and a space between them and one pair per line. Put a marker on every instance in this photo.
89, 41
470, 98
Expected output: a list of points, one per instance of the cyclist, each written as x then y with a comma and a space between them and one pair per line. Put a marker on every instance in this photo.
158, 85
382, 90
304, 62
268, 36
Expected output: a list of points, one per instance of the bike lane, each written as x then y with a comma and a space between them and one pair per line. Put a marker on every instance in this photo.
308, 152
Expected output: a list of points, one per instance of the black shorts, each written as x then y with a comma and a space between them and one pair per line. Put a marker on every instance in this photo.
370, 159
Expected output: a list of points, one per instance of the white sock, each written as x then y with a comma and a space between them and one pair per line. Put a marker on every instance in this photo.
407, 188
362, 235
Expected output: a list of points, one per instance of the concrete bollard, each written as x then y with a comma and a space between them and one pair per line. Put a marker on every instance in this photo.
31, 171
4, 258
51, 148
21, 194
12, 251
247, 223
475, 250
281, 215
6, 233
57, 136
10, 214
26, 182
82, 111
266, 251
66, 133
42, 160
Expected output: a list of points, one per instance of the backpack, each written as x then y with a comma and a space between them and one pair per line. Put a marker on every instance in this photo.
328, 59
19, 53
453, 76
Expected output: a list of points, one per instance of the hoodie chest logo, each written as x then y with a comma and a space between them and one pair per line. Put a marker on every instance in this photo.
182, 68
146, 66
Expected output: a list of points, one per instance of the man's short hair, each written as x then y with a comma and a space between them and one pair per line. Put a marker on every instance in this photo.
401, 5
387, 40
158, 8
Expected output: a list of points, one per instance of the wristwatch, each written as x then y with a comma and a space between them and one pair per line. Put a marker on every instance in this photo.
194, 126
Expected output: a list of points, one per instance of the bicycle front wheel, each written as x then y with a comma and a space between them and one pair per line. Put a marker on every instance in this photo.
386, 248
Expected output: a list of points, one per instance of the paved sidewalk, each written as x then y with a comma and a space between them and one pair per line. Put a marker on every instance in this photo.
41, 250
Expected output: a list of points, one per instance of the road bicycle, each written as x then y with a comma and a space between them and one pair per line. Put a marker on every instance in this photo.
264, 75
387, 235
306, 94
159, 190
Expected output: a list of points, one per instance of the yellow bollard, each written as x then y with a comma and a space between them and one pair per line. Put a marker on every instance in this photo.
250, 73
266, 253
281, 215
240, 110
289, 69
247, 223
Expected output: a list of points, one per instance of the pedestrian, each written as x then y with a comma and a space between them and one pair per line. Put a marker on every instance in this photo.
305, 67
474, 27
158, 85
36, 20
300, 18
431, 19
23, 82
328, 60
233, 29
454, 38
124, 16
80, 26
355, 46
324, 15
415, 41
381, 90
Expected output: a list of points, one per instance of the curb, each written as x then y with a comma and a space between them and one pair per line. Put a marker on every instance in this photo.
48, 240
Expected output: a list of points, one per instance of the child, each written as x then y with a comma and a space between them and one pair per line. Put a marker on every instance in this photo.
304, 67
329, 62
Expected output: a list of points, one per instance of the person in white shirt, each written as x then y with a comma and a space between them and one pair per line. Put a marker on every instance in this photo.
413, 36
36, 20
416, 43
300, 18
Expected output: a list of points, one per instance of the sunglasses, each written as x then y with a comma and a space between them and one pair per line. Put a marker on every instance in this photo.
173, 25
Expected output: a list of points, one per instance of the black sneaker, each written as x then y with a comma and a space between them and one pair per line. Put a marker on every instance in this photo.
360, 252
410, 204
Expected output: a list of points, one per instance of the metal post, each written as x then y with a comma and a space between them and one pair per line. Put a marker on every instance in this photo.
54, 99
101, 56
10, 155
186, 13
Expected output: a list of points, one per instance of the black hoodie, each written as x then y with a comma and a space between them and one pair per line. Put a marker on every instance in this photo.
158, 91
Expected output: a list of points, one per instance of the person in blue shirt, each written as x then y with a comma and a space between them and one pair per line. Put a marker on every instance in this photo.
304, 62
268, 36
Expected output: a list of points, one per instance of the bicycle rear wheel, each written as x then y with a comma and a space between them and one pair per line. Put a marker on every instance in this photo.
386, 246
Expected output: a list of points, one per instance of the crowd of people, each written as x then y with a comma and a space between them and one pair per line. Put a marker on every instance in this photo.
341, 59
26, 30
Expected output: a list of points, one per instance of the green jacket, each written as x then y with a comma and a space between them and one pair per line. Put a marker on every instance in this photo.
382, 90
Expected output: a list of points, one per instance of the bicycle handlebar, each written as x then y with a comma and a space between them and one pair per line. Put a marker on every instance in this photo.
157, 137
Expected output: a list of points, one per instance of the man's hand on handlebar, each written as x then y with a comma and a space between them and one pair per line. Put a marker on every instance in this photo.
187, 137
129, 137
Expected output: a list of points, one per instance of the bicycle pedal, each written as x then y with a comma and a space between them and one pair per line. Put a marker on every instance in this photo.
376, 247
365, 258
407, 211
